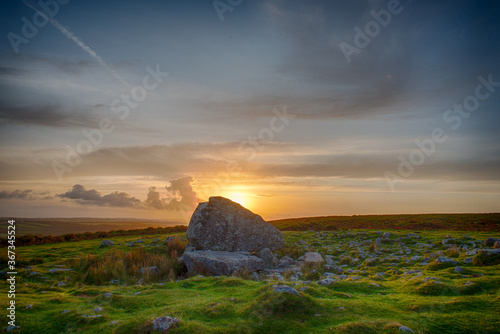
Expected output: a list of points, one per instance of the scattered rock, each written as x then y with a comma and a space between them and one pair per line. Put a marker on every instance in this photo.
114, 322
285, 289
285, 261
106, 243
496, 245
223, 225
267, 255
65, 311
108, 294
163, 324
491, 241
150, 270
98, 309
405, 329
327, 281
169, 239
459, 269
55, 270
313, 258
254, 277
29, 306
9, 328
443, 259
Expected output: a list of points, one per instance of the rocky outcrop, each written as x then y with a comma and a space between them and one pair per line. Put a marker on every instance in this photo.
221, 262
223, 225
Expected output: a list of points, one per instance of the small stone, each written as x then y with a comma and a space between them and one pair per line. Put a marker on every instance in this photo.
98, 309
114, 322
9, 328
29, 306
106, 243
61, 283
405, 329
65, 311
163, 324
108, 294
254, 277
491, 241
459, 269
285, 289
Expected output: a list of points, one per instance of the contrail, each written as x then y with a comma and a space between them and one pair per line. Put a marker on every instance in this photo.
78, 42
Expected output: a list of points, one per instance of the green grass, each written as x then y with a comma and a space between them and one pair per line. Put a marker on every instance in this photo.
236, 305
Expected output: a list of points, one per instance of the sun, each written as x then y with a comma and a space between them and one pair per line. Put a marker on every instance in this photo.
240, 198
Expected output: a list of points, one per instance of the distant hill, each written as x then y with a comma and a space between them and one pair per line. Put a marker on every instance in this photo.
57, 226
456, 222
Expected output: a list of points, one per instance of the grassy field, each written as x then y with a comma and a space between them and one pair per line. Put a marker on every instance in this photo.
114, 297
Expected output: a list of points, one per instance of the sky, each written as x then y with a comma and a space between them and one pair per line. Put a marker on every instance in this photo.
143, 109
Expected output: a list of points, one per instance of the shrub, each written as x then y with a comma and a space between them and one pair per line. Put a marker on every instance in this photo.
118, 265
453, 252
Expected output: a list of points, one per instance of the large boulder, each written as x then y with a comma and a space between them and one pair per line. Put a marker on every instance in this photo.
223, 225
221, 262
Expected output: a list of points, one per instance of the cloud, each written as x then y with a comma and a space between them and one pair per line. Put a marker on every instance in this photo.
180, 197
26, 194
181, 193
93, 197
44, 115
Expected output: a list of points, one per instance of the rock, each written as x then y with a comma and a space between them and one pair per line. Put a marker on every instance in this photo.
114, 322
106, 243
443, 259
223, 225
468, 260
163, 324
108, 294
275, 276
98, 309
221, 263
313, 258
386, 235
55, 270
150, 270
29, 306
491, 241
9, 328
61, 283
492, 251
496, 245
285, 289
459, 269
267, 255
254, 277
405, 329
285, 261
327, 281
169, 239
65, 311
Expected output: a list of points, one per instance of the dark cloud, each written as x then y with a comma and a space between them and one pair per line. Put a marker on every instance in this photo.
26, 194
180, 197
93, 197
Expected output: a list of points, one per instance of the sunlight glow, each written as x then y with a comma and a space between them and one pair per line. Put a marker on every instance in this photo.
241, 198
